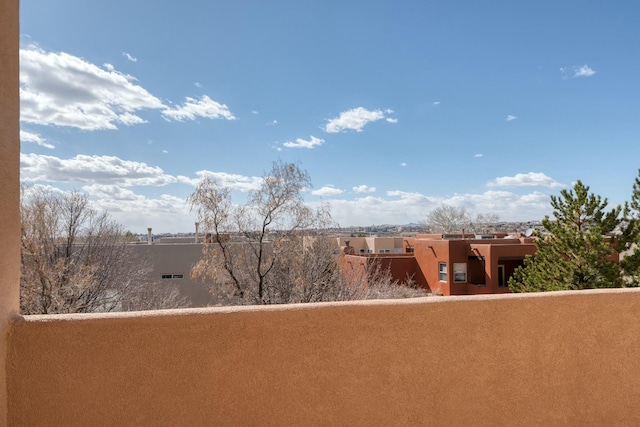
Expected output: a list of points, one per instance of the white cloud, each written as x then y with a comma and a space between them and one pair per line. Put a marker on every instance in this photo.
328, 190
478, 155
577, 71
165, 151
364, 189
510, 118
198, 85
301, 143
355, 119
525, 179
136, 212
233, 181
193, 108
406, 207
129, 57
391, 120
584, 71
105, 170
436, 102
164, 213
65, 90
35, 138
403, 164
111, 192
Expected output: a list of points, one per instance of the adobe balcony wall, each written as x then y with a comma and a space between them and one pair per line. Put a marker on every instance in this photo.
545, 359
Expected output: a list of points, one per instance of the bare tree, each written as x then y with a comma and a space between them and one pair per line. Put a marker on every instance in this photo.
245, 244
484, 222
447, 219
153, 295
74, 258
267, 251
370, 279
452, 219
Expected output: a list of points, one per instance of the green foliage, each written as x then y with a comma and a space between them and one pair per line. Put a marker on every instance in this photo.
576, 250
628, 242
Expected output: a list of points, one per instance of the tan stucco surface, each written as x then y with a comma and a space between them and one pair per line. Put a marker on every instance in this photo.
9, 181
547, 359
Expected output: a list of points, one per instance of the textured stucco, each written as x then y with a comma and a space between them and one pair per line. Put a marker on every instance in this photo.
9, 181
547, 359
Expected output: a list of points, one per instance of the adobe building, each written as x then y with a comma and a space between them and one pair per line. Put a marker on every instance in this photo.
446, 264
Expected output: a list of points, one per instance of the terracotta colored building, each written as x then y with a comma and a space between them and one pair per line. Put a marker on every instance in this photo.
452, 264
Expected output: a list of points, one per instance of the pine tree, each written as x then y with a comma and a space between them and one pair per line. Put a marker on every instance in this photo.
576, 249
629, 237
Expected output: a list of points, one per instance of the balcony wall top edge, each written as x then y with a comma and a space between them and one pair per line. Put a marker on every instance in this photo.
212, 311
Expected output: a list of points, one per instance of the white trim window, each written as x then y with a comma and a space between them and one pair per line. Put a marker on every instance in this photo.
442, 271
460, 272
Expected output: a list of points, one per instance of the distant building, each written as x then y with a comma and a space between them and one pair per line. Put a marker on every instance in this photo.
171, 259
446, 264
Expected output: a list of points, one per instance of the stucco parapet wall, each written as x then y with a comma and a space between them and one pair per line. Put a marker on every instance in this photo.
557, 358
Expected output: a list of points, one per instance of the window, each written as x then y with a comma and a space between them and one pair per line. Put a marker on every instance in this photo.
384, 251
460, 272
172, 276
442, 271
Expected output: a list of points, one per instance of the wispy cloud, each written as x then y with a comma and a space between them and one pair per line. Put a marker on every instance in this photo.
35, 138
198, 85
364, 189
478, 155
577, 71
436, 102
129, 57
193, 108
327, 190
510, 118
525, 180
301, 143
355, 119
403, 164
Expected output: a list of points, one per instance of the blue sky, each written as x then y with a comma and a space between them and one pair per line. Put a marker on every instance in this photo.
393, 108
